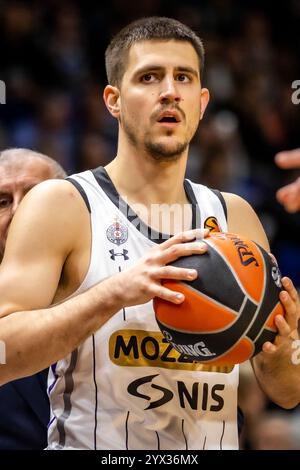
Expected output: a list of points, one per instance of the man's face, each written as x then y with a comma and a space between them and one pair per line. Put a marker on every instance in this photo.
16, 179
161, 100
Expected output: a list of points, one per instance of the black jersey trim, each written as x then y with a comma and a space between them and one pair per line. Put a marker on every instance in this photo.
81, 191
110, 190
222, 200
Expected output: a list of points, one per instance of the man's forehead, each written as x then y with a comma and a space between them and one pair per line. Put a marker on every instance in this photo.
28, 169
162, 52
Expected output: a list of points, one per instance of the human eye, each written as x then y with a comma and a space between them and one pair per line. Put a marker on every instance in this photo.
148, 78
183, 77
5, 201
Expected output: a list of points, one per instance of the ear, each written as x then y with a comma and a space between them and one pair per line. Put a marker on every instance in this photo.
203, 101
111, 97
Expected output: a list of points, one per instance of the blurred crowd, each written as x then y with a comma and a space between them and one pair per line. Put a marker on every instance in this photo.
52, 61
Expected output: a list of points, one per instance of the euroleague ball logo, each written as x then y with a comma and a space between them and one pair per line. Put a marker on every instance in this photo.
212, 224
276, 275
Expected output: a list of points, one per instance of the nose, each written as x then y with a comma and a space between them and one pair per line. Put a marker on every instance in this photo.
169, 92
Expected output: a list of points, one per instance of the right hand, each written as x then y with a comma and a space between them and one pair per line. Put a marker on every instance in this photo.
289, 195
141, 283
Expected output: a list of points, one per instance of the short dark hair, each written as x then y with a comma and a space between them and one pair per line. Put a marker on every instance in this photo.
145, 29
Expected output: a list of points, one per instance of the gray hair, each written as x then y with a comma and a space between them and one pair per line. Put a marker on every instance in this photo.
9, 155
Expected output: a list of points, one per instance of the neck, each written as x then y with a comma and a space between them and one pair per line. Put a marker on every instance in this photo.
141, 179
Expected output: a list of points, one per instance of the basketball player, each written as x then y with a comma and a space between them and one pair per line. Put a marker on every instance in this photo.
95, 259
24, 404
289, 195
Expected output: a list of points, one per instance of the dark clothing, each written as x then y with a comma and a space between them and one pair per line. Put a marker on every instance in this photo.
24, 413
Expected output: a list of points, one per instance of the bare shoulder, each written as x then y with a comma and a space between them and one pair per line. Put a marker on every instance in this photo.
243, 220
52, 192
235, 202
47, 230
52, 214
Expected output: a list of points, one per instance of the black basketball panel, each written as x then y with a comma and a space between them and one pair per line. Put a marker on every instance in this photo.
266, 335
269, 300
215, 278
217, 342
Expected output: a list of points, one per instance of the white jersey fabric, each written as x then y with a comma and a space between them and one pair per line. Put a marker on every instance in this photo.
125, 387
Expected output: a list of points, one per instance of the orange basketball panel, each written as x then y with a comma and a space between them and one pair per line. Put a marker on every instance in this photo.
196, 313
245, 259
241, 352
277, 310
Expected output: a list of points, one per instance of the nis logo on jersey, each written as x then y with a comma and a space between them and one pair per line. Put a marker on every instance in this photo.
139, 348
198, 396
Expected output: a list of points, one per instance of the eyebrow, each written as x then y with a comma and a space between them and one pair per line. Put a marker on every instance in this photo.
6, 190
154, 68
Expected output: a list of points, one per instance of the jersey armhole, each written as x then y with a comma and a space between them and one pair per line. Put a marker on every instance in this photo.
81, 191
221, 199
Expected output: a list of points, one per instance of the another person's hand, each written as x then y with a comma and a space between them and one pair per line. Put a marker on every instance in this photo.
289, 195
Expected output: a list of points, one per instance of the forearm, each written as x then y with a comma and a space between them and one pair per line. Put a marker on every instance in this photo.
280, 380
35, 339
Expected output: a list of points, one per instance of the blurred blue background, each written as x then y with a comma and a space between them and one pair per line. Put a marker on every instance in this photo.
52, 61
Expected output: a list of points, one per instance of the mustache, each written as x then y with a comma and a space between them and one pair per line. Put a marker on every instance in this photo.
167, 108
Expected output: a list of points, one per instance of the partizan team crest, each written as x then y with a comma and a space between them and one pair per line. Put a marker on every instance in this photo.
117, 233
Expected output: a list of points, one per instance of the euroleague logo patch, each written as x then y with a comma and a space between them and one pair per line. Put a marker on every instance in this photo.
212, 224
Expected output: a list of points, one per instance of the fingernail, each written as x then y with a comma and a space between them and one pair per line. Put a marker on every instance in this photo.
192, 273
284, 295
179, 296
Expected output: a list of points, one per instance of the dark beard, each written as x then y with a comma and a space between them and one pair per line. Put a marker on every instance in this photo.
157, 151
160, 152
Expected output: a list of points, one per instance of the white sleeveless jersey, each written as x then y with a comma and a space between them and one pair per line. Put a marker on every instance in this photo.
125, 387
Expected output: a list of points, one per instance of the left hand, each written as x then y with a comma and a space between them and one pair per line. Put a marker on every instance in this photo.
287, 326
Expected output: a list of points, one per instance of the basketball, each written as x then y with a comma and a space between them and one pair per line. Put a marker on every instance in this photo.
229, 309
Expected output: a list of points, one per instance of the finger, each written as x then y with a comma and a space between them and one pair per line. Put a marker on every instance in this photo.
288, 159
269, 348
171, 272
283, 327
273, 259
288, 192
290, 288
184, 237
291, 309
182, 249
168, 294
288, 303
289, 196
